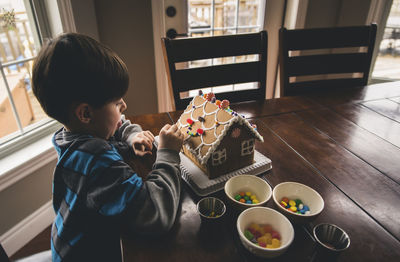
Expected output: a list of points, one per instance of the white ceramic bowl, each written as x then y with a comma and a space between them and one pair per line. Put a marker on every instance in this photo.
306, 194
247, 183
265, 215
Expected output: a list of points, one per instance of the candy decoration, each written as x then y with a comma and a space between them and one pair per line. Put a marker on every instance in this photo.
218, 102
225, 104
200, 131
213, 99
190, 121
235, 133
263, 235
296, 206
200, 92
209, 96
201, 119
246, 197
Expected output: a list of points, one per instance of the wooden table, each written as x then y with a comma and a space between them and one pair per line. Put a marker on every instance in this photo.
345, 145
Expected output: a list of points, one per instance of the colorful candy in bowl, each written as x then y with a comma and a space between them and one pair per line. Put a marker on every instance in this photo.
264, 232
297, 202
244, 191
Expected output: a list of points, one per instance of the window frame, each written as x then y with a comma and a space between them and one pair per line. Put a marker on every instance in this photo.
219, 157
247, 147
24, 136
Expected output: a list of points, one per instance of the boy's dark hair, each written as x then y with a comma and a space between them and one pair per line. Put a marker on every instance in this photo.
75, 68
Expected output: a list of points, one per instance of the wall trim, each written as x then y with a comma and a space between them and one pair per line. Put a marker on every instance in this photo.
23, 232
66, 15
28, 167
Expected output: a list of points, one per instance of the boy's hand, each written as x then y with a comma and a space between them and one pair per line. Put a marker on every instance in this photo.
142, 143
171, 137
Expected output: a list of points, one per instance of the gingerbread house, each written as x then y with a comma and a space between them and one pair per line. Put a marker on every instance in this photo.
217, 139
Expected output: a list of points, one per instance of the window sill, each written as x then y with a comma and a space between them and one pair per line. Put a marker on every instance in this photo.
23, 162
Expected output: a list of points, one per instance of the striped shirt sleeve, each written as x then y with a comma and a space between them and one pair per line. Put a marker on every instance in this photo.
112, 184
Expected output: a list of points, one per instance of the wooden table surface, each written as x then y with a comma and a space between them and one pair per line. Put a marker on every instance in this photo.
345, 145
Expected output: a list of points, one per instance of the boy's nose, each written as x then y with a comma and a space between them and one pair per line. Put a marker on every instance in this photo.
124, 106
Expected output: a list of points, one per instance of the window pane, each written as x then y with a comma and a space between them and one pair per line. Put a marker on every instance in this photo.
200, 13
387, 65
17, 50
225, 13
248, 12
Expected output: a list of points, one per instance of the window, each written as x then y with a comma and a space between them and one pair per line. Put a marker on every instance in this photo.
247, 147
20, 112
224, 17
219, 157
388, 60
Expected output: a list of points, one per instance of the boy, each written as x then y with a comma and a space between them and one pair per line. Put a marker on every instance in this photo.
80, 82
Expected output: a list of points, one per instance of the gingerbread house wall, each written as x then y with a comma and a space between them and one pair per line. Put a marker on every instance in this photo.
234, 159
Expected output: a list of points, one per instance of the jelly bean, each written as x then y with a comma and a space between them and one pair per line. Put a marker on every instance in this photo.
293, 208
242, 200
253, 197
248, 194
285, 199
237, 197
275, 234
283, 203
306, 208
275, 243
298, 202
292, 203
241, 193
249, 202
248, 235
255, 201
267, 228
301, 206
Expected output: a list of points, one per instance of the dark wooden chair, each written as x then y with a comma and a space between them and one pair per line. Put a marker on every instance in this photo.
358, 42
190, 49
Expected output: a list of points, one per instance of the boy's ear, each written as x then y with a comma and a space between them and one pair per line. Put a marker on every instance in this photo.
83, 113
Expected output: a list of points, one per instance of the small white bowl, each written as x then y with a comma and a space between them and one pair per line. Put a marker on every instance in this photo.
247, 183
265, 215
307, 195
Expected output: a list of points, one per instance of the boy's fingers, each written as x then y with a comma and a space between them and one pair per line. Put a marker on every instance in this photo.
149, 135
174, 128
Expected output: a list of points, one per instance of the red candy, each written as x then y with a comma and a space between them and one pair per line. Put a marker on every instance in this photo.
200, 131
190, 121
275, 234
210, 96
224, 104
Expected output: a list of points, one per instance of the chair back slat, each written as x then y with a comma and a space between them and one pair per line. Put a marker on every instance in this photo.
199, 48
355, 37
320, 38
190, 49
195, 78
326, 64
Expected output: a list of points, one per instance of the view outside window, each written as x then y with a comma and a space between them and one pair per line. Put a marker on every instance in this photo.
19, 110
224, 17
387, 65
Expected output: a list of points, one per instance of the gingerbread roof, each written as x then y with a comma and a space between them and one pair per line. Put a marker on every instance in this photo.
205, 123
